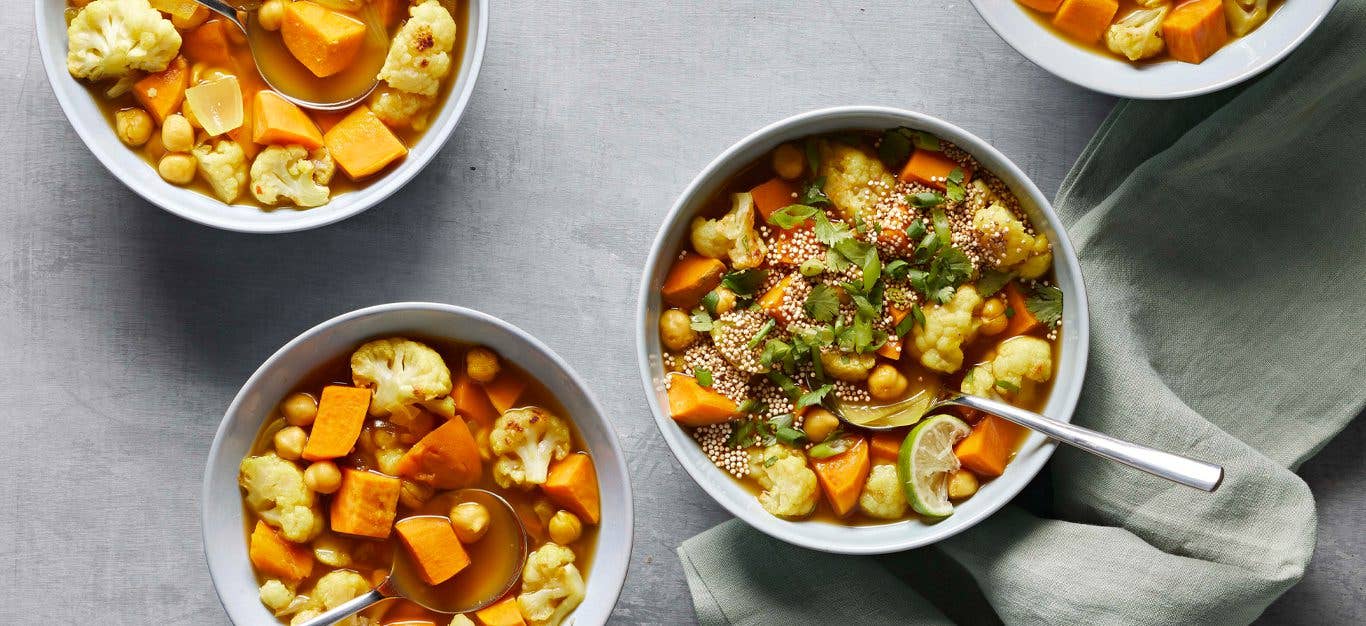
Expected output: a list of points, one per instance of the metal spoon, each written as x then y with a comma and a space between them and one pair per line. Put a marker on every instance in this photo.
274, 76
403, 581
1173, 467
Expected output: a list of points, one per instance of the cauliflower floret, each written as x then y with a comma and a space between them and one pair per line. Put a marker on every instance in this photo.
276, 491
1017, 360
1009, 246
526, 440
402, 373
400, 109
333, 589
789, 485
938, 343
276, 596
882, 495
733, 236
292, 173
113, 38
855, 181
551, 585
224, 165
1138, 35
420, 54
1244, 15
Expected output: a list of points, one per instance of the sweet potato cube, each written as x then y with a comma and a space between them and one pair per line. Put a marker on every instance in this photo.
772, 300
362, 145
435, 549
931, 169
323, 40
365, 504
505, 390
691, 404
885, 446
408, 613
1086, 20
163, 92
842, 476
1047, 6
785, 243
341, 415
988, 448
208, 44
1195, 30
446, 458
501, 613
472, 401
278, 557
690, 278
281, 122
573, 484
774, 195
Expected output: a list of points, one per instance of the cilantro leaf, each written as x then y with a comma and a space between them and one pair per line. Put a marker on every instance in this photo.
895, 147
992, 281
703, 376
954, 192
1046, 304
925, 199
956, 176
775, 351
813, 397
863, 255
744, 282
701, 320
710, 300
792, 215
926, 141
830, 233
814, 193
822, 304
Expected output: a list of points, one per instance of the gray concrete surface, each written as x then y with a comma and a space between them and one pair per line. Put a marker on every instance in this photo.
125, 331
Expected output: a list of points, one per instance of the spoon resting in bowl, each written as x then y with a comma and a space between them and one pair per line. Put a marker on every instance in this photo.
500, 554
340, 85
1173, 467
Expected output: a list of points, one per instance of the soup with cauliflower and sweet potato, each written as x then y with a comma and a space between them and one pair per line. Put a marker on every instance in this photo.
868, 273
367, 462
1155, 30
182, 89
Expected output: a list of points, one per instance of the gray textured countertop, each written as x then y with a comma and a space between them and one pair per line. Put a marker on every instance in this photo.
125, 331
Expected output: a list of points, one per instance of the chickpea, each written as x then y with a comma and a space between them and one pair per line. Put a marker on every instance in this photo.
819, 423
134, 126
387, 460
471, 521
565, 528
177, 134
993, 307
271, 14
482, 364
675, 330
887, 383
299, 409
994, 326
289, 442
177, 168
189, 116
414, 495
788, 161
962, 484
994, 320
725, 301
322, 477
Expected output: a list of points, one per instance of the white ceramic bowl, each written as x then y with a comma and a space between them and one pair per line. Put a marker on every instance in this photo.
1240, 60
895, 536
129, 167
225, 542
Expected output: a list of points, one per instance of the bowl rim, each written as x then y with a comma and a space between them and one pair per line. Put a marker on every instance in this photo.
614, 450
173, 199
724, 165
1026, 42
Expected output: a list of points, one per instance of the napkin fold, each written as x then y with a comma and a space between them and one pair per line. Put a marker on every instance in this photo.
1223, 241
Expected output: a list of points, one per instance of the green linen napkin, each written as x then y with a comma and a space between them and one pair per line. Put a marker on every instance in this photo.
1223, 240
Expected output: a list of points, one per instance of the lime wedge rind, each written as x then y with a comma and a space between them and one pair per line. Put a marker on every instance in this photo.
926, 461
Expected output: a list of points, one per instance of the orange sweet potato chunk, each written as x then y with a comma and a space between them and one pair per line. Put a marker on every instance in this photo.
931, 169
435, 549
573, 484
472, 401
281, 122
277, 557
361, 144
886, 445
323, 40
772, 300
446, 458
774, 195
988, 448
163, 92
365, 504
1047, 6
505, 390
1195, 30
501, 613
1086, 20
691, 404
341, 415
690, 278
842, 476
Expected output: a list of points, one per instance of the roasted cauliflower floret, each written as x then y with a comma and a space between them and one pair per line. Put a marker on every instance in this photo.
847, 366
333, 589
276, 596
938, 343
402, 373
526, 440
113, 38
292, 173
1018, 362
855, 181
883, 496
420, 55
400, 109
1138, 35
276, 491
789, 485
1244, 15
224, 165
551, 586
1009, 246
732, 236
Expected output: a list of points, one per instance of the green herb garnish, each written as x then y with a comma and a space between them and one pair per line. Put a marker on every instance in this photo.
992, 281
830, 448
814, 193
764, 330
925, 199
744, 282
1046, 304
710, 300
823, 303
813, 397
701, 320
792, 215
703, 376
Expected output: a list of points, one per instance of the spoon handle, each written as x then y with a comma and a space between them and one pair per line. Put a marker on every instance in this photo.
349, 608
1173, 467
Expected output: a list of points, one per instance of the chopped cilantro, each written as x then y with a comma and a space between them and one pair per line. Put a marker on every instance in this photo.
926, 141
992, 281
813, 397
895, 147
763, 332
703, 376
744, 282
1046, 304
709, 301
792, 215
823, 303
956, 176
925, 199
814, 193
701, 320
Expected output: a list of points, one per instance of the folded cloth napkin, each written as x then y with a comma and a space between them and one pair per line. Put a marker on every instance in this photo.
1223, 240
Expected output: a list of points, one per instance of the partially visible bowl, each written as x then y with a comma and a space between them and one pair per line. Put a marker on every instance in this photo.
129, 167
1240, 60
820, 535
225, 541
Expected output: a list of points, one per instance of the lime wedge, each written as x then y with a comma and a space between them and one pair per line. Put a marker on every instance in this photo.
927, 460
